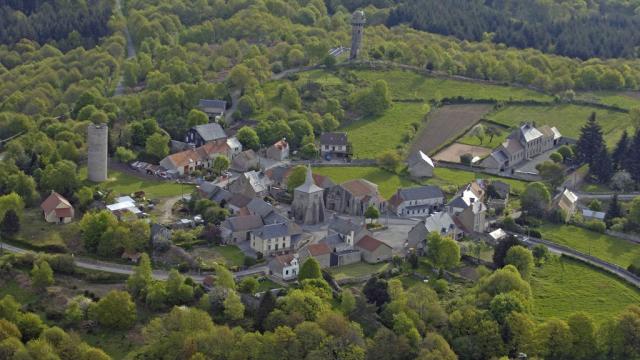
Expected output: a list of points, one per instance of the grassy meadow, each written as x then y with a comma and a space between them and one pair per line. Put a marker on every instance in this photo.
569, 119
623, 99
126, 183
487, 142
564, 286
357, 270
602, 246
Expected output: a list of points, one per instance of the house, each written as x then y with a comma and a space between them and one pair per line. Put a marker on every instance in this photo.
588, 214
213, 108
251, 184
523, 144
473, 218
278, 175
160, 237
439, 222
124, 208
238, 228
56, 209
566, 201
420, 165
319, 251
245, 161
187, 161
285, 267
271, 239
237, 202
278, 151
334, 144
235, 146
353, 197
342, 234
498, 194
374, 250
497, 235
345, 257
468, 209
206, 133
214, 193
417, 201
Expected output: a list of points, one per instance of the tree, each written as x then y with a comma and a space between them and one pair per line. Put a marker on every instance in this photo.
41, 275
479, 132
347, 302
443, 252
248, 285
10, 225
622, 181
554, 339
436, 347
220, 164
521, 258
603, 167
60, 177
535, 199
241, 77
94, 226
633, 158
373, 101
634, 211
376, 291
267, 305
178, 292
197, 117
502, 248
125, 155
552, 173
310, 270
618, 157
388, 160
11, 201
248, 138
372, 213
157, 146
492, 131
502, 305
540, 254
590, 142
116, 310
296, 177
139, 281
224, 278
556, 157
233, 308
583, 336
614, 210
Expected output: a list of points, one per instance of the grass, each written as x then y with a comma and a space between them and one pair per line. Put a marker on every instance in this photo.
267, 284
115, 343
371, 136
41, 234
23, 296
389, 182
569, 119
410, 85
357, 270
232, 254
125, 184
495, 142
564, 286
625, 100
602, 246
321, 77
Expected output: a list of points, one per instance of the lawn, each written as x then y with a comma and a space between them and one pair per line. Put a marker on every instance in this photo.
357, 270
389, 182
569, 119
232, 254
563, 286
267, 284
371, 136
410, 85
487, 141
322, 77
126, 183
626, 100
605, 247
39, 234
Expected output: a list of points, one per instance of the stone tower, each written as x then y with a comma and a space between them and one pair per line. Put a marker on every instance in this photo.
97, 142
308, 202
357, 29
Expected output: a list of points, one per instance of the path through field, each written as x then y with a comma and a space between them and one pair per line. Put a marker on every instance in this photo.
447, 122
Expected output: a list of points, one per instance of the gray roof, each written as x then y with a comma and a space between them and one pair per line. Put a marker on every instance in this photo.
239, 200
157, 229
421, 192
277, 173
500, 156
259, 207
210, 132
333, 138
309, 185
501, 188
458, 202
212, 104
333, 240
243, 223
273, 218
215, 192
440, 222
529, 132
344, 226
272, 231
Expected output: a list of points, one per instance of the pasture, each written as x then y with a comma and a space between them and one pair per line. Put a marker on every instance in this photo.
563, 286
488, 141
126, 183
623, 99
569, 119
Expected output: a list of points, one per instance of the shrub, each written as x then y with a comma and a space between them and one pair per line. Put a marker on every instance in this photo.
596, 225
466, 159
440, 286
249, 261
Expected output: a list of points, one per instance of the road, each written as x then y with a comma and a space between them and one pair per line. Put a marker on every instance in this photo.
560, 249
131, 49
113, 268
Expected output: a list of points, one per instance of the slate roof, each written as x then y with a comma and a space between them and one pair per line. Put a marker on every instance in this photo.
217, 105
420, 192
257, 181
243, 223
344, 226
419, 157
501, 188
370, 244
210, 132
334, 138
239, 200
529, 133
440, 222
272, 231
511, 146
361, 188
157, 229
309, 186
259, 207
593, 214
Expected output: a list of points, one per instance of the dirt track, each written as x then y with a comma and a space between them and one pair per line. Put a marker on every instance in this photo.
445, 123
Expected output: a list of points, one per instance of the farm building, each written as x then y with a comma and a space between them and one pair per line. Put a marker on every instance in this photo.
57, 209
420, 165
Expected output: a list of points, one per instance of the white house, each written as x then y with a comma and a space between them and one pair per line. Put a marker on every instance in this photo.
420, 165
285, 267
417, 201
271, 239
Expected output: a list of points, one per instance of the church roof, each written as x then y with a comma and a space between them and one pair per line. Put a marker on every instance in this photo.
309, 185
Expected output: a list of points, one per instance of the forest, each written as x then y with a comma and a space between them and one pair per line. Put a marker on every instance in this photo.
63, 24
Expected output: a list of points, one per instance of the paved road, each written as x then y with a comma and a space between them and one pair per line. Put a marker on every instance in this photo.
560, 249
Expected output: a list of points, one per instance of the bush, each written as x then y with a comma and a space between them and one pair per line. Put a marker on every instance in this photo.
466, 159
596, 225
556, 157
249, 261
634, 268
534, 233
441, 286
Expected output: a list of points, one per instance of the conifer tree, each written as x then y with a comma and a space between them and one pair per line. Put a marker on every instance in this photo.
603, 167
267, 304
614, 210
590, 143
633, 158
620, 152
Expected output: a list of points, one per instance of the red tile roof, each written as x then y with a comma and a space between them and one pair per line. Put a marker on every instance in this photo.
202, 153
361, 188
282, 144
318, 249
53, 201
370, 244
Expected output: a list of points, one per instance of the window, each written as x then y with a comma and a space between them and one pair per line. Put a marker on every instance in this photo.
286, 272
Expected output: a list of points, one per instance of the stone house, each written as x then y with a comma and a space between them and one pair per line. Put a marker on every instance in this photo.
342, 234
235, 146
420, 165
187, 161
285, 267
417, 201
334, 144
346, 257
206, 133
567, 201
271, 239
213, 108
238, 228
319, 251
354, 197
374, 250
498, 194
245, 161
56, 209
278, 151
439, 222
251, 184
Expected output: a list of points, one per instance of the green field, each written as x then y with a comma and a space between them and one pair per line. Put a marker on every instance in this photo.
563, 286
371, 136
389, 182
357, 270
605, 247
231, 254
569, 119
410, 85
125, 184
626, 100
487, 142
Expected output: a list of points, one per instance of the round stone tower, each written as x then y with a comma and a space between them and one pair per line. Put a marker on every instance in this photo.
97, 142
357, 29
